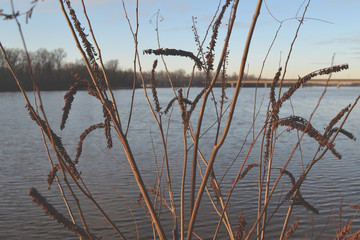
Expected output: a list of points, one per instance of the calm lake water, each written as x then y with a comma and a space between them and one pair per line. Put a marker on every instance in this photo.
331, 183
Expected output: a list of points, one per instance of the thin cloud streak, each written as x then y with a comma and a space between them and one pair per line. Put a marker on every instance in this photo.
343, 40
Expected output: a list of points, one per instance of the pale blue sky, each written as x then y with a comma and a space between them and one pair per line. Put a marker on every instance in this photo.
332, 27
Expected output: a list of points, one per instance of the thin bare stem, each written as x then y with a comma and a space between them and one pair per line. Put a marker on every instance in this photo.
218, 192
182, 197
301, 21
135, 37
237, 179
232, 108
267, 181
158, 122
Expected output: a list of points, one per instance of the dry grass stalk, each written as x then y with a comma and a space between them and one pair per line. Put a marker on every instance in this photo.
153, 88
90, 50
58, 217
170, 104
69, 98
343, 131
354, 236
273, 117
296, 186
268, 143
290, 176
96, 87
82, 138
28, 13
299, 123
215, 186
299, 200
107, 121
315, 160
273, 86
196, 100
196, 35
291, 231
140, 202
210, 53
344, 232
355, 206
336, 119
97, 71
307, 78
157, 194
223, 88
56, 139
199, 44
175, 52
52, 175
246, 170
82, 82
182, 103
240, 229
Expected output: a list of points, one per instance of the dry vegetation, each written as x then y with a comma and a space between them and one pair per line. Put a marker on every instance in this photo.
203, 180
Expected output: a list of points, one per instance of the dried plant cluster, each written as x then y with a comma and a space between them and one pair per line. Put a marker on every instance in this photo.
203, 173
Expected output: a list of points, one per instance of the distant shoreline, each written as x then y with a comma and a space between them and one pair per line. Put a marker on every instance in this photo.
245, 85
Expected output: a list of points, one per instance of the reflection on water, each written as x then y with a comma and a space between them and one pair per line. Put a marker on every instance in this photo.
24, 164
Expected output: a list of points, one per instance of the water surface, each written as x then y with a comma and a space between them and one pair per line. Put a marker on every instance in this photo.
24, 164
